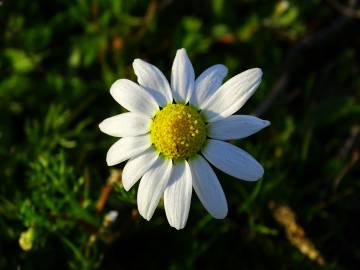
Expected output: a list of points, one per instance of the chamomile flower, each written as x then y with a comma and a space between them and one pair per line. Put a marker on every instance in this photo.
173, 131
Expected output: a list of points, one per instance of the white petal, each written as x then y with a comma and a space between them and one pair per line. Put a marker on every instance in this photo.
177, 197
133, 97
207, 83
236, 127
182, 77
126, 124
152, 186
126, 148
233, 160
151, 78
208, 188
137, 166
232, 95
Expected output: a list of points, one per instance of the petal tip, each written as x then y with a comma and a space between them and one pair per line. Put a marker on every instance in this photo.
255, 73
126, 187
182, 53
146, 216
259, 174
181, 50
220, 215
115, 86
110, 161
267, 123
223, 69
258, 72
101, 126
178, 226
137, 61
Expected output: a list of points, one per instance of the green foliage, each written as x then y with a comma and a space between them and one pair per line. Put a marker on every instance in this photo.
57, 62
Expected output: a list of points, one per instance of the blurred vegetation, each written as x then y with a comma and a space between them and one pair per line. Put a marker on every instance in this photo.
57, 62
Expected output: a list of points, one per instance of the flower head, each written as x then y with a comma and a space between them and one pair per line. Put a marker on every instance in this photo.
171, 133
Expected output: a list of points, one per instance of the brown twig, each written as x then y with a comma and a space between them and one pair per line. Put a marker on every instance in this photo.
333, 199
348, 11
115, 177
147, 19
350, 146
350, 142
354, 159
297, 55
81, 222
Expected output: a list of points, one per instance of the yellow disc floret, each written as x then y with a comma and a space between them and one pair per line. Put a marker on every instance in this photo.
178, 131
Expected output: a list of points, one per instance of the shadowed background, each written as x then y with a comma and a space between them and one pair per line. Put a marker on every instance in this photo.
57, 62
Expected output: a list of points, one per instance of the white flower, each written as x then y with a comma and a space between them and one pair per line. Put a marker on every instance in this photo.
171, 133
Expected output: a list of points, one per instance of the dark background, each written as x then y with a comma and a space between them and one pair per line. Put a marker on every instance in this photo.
57, 62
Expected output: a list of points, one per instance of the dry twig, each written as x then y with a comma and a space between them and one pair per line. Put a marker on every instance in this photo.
298, 55
115, 177
286, 217
348, 11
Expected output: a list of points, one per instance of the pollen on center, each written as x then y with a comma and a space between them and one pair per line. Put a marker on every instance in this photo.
178, 131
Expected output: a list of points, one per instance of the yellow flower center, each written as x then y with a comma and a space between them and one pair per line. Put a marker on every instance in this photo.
178, 131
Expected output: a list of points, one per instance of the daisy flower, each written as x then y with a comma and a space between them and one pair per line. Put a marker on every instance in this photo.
173, 131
